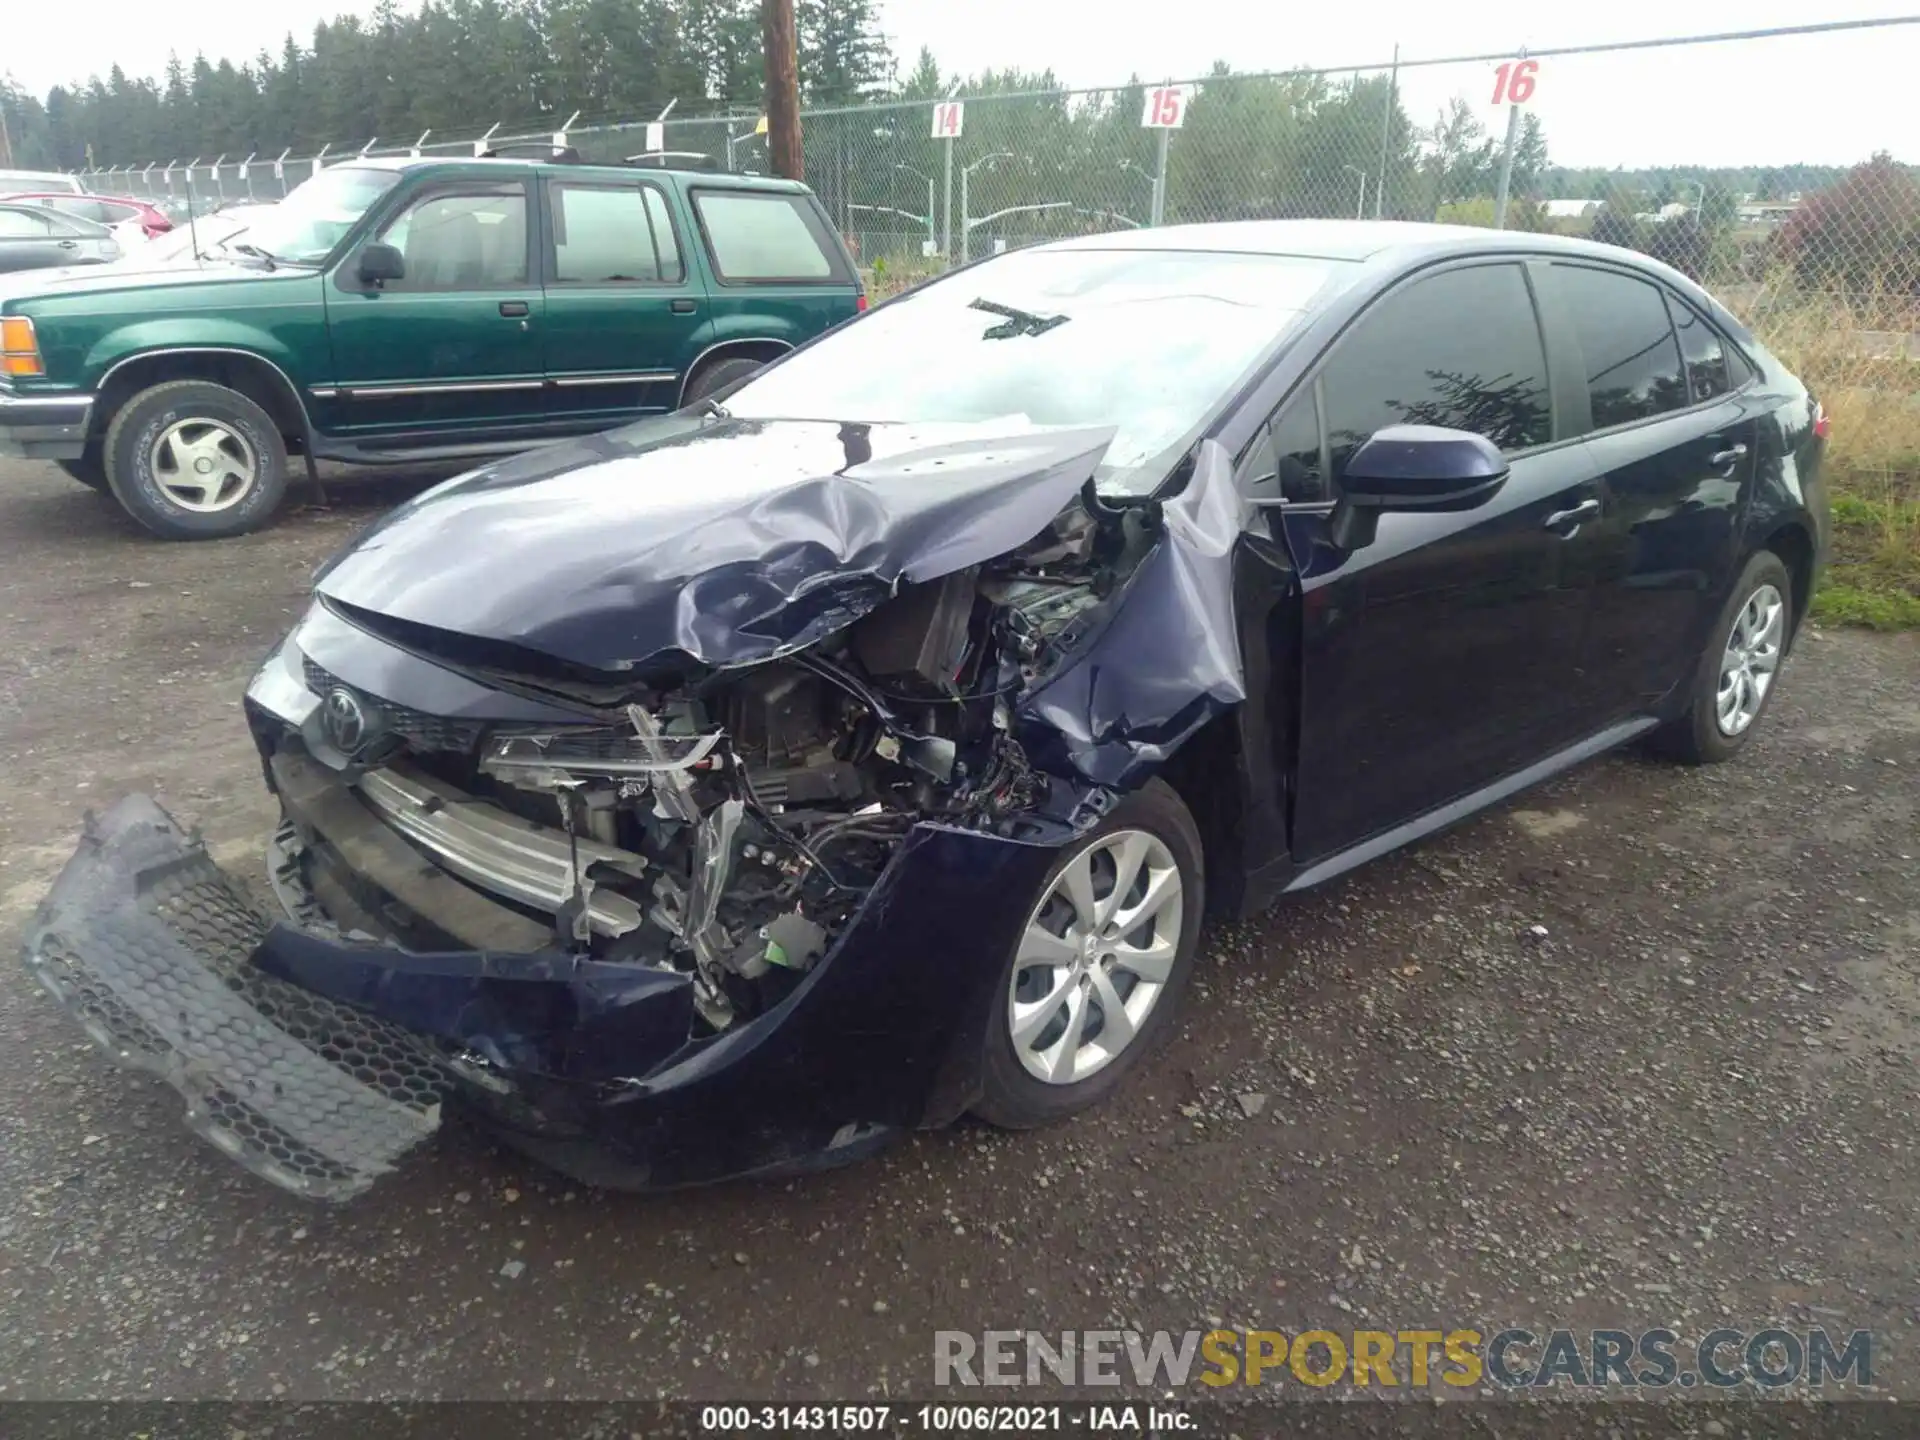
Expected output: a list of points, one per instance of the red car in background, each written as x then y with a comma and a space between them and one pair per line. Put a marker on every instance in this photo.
112, 211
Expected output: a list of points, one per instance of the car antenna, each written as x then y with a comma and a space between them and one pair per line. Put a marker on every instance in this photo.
193, 231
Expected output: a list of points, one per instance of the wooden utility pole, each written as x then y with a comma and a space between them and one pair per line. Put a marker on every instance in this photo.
6, 139
783, 89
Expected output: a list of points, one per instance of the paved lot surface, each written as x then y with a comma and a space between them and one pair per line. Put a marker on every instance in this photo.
1689, 1102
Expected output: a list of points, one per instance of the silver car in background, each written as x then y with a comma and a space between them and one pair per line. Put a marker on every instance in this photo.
33, 237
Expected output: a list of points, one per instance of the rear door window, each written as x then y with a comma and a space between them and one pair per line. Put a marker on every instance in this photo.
1626, 336
1461, 348
765, 237
605, 234
23, 225
1703, 353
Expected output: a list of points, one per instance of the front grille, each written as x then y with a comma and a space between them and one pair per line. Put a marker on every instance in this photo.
419, 730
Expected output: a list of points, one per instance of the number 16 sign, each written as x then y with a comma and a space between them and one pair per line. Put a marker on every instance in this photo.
1513, 82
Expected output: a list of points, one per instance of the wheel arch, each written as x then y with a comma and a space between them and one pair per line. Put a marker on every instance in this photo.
1208, 773
245, 371
1793, 543
760, 347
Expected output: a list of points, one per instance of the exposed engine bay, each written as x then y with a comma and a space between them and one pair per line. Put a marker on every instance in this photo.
765, 800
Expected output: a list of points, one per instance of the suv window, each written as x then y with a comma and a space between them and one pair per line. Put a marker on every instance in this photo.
464, 239
1461, 348
1703, 353
762, 237
606, 234
1633, 363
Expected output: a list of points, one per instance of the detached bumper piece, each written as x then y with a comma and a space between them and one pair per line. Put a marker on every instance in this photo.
147, 943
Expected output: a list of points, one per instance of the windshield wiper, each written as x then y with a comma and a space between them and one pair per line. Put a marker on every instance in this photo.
254, 250
707, 405
1018, 322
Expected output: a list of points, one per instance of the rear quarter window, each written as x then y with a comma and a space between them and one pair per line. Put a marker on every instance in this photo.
766, 237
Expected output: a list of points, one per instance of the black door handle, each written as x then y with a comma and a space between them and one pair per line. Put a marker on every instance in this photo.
683, 307
513, 309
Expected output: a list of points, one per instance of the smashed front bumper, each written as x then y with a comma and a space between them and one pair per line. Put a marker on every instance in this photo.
318, 1062
147, 943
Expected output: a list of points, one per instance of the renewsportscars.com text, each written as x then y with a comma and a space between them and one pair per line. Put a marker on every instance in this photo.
1506, 1359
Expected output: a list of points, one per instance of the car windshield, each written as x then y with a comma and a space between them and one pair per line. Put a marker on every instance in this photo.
1150, 341
304, 227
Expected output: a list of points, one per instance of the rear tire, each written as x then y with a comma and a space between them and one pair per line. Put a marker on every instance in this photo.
1739, 670
1044, 1059
717, 376
191, 460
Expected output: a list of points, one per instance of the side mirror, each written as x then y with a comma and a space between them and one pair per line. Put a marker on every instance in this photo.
1413, 468
381, 263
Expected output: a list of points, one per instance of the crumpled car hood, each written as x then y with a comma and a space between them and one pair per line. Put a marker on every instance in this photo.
728, 541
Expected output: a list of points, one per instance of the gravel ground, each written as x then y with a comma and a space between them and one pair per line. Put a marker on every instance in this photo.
1638, 1050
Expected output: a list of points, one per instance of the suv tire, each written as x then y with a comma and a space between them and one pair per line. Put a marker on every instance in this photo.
191, 460
717, 376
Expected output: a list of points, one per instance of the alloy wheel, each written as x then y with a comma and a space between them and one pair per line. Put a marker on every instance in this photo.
1095, 957
204, 465
1751, 658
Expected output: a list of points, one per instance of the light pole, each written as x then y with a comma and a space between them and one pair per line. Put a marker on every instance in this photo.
932, 239
1153, 185
966, 175
1359, 210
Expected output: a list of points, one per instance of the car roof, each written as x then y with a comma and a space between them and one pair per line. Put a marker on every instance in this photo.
73, 195
1352, 240
568, 167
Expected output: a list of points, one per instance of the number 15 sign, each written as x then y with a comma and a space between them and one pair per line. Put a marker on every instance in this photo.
1165, 108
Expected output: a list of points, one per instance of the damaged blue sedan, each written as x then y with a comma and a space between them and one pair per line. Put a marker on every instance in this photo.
864, 745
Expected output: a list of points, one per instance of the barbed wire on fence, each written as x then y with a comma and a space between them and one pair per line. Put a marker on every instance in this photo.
1031, 165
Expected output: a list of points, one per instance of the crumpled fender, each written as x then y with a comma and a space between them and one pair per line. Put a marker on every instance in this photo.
1168, 660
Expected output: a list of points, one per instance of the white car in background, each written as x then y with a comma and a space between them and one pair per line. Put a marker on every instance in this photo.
187, 242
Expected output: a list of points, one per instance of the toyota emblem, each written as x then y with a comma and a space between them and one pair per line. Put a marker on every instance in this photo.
343, 720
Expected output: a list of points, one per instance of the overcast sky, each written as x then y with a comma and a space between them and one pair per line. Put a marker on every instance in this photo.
1828, 99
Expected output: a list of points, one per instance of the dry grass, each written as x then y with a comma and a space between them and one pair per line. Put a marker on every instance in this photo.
1854, 351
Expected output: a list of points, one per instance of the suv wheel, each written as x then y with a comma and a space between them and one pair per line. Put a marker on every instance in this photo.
717, 376
192, 460
1096, 977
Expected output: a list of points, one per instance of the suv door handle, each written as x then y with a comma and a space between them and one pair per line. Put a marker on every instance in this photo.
69, 244
683, 307
1585, 510
1727, 456
514, 309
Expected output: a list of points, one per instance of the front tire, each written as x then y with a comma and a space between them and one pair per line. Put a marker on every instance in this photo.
1096, 978
191, 460
1735, 678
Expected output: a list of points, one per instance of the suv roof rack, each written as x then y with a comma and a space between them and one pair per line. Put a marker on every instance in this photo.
660, 160
534, 150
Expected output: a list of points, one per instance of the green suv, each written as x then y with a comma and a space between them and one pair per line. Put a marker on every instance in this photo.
404, 310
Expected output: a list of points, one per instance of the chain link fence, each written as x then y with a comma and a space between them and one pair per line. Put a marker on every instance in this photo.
1408, 140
